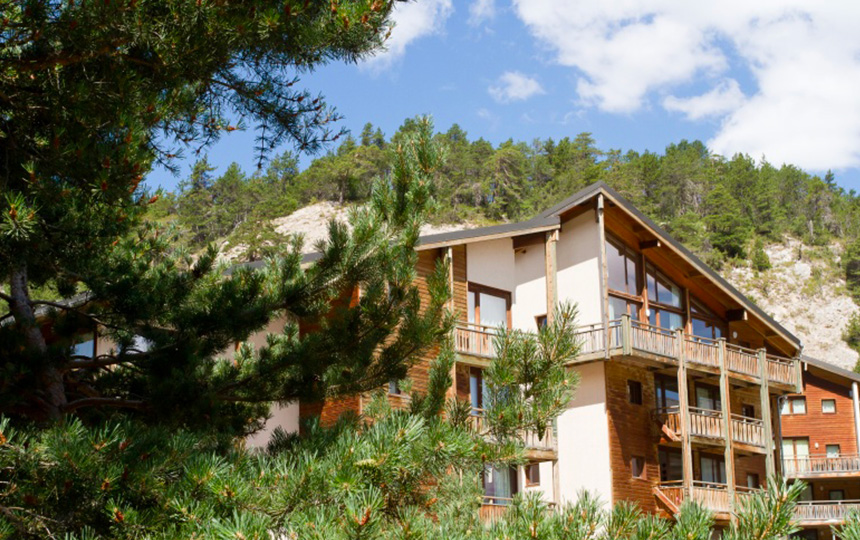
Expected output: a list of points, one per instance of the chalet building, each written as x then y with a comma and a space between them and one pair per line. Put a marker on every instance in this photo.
680, 374
819, 432
687, 389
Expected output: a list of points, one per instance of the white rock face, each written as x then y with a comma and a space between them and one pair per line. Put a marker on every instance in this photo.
806, 296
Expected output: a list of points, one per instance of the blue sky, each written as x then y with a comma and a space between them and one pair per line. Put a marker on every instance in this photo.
779, 80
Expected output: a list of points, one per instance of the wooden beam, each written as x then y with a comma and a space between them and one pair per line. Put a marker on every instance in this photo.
725, 397
649, 244
764, 392
684, 413
735, 315
534, 239
551, 269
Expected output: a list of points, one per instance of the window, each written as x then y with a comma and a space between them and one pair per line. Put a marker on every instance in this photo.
541, 321
795, 455
634, 392
836, 495
533, 474
748, 411
832, 450
713, 469
753, 481
805, 534
828, 406
622, 265
671, 465
500, 485
708, 397
637, 466
665, 304
794, 405
477, 390
621, 306
488, 306
394, 387
666, 390
705, 323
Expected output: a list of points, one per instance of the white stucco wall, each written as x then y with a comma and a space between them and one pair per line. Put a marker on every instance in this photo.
583, 439
491, 263
285, 417
578, 253
529, 299
545, 486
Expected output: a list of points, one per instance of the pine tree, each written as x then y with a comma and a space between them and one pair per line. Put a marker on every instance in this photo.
188, 313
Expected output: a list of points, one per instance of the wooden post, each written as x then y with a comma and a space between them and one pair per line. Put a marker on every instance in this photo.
798, 381
684, 408
551, 267
626, 335
556, 485
604, 278
449, 255
725, 397
765, 413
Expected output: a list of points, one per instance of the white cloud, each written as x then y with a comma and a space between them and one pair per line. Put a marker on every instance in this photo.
514, 86
722, 99
481, 11
803, 98
412, 21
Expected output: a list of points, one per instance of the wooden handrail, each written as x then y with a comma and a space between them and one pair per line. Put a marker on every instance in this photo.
820, 465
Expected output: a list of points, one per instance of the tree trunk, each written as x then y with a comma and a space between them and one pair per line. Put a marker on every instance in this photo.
50, 380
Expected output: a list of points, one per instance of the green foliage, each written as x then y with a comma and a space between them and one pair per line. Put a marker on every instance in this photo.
190, 315
851, 335
93, 94
760, 260
357, 479
528, 381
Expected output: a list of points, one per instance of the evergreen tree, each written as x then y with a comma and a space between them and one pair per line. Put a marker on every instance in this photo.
188, 313
93, 93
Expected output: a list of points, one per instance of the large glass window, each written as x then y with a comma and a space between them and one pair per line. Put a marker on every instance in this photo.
708, 398
488, 307
705, 323
620, 306
667, 392
795, 454
477, 390
86, 347
622, 267
671, 465
661, 290
500, 484
665, 301
713, 469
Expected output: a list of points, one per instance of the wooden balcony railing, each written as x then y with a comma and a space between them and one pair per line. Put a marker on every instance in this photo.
629, 336
591, 338
652, 339
749, 431
780, 370
831, 512
702, 351
703, 422
742, 360
817, 465
530, 438
475, 339
713, 496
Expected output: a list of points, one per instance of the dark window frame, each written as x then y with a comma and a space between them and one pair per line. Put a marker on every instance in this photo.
479, 289
634, 392
532, 474
638, 462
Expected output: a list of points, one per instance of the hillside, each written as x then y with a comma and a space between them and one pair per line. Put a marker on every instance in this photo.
804, 290
806, 293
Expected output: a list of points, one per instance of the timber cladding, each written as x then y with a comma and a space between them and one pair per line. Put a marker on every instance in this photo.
631, 435
331, 409
823, 428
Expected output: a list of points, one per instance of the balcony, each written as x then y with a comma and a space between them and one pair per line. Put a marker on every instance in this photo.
713, 496
811, 513
537, 447
821, 466
629, 337
706, 426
